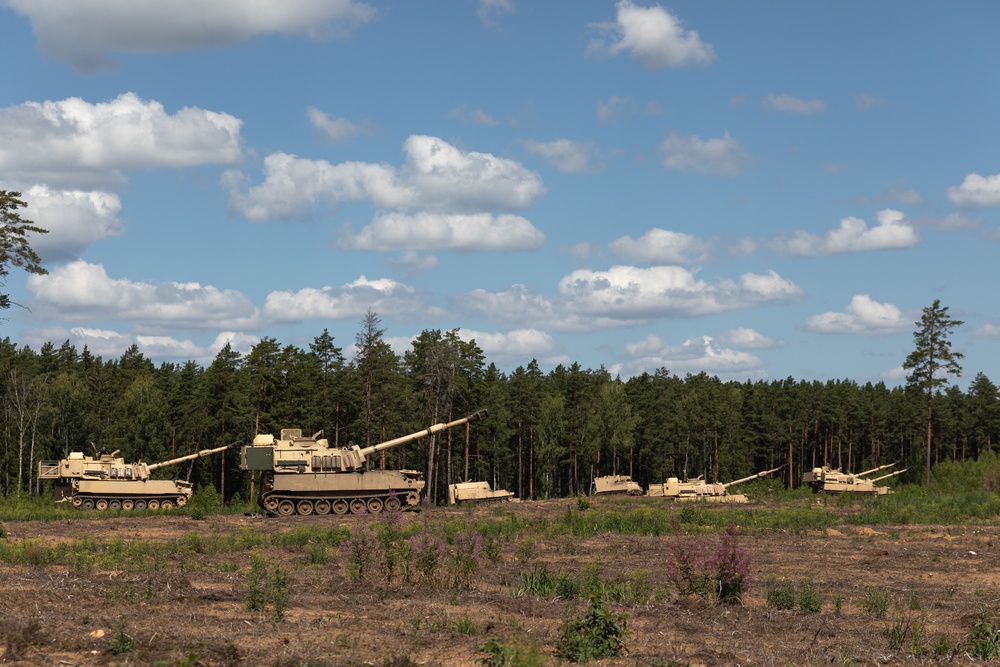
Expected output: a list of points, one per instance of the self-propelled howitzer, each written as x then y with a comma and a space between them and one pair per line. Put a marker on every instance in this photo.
827, 480
698, 489
305, 475
106, 481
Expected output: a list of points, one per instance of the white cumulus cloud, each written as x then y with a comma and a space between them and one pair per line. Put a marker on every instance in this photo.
893, 231
864, 316
84, 292
436, 177
110, 344
74, 218
653, 35
334, 130
976, 190
721, 156
516, 346
661, 246
571, 157
73, 143
350, 301
85, 33
749, 339
626, 296
789, 104
458, 232
694, 355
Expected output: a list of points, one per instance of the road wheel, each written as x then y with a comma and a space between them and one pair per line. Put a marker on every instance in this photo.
286, 508
166, 504
375, 505
340, 507
88, 504
140, 504
322, 506
101, 504
305, 507
154, 504
115, 504
358, 506
392, 504
128, 505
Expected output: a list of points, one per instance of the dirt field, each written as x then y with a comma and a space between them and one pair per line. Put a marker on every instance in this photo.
191, 609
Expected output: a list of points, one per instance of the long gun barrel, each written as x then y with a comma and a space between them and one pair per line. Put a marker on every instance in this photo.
892, 474
423, 433
868, 472
747, 479
189, 457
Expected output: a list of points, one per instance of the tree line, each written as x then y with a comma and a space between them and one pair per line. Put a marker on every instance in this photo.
548, 434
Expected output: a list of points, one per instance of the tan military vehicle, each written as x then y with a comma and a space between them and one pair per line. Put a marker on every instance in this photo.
830, 480
477, 492
615, 485
305, 475
106, 481
698, 489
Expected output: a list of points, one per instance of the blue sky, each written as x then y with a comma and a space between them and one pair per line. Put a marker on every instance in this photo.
753, 190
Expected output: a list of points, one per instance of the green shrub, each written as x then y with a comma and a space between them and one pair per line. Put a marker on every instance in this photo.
810, 600
598, 634
984, 640
506, 655
121, 641
781, 594
876, 602
266, 586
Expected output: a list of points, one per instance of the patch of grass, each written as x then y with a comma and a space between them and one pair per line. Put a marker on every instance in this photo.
467, 626
510, 655
876, 602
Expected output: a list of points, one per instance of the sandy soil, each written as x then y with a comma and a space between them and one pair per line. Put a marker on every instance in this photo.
191, 609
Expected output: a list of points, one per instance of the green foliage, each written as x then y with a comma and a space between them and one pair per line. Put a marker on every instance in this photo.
598, 634
121, 641
876, 601
266, 585
984, 639
781, 594
809, 600
507, 655
15, 250
467, 626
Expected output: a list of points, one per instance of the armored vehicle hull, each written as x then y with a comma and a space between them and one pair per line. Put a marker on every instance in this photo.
304, 475
477, 492
368, 492
108, 482
616, 485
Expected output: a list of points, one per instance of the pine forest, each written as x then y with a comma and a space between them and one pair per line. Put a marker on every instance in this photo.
548, 434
